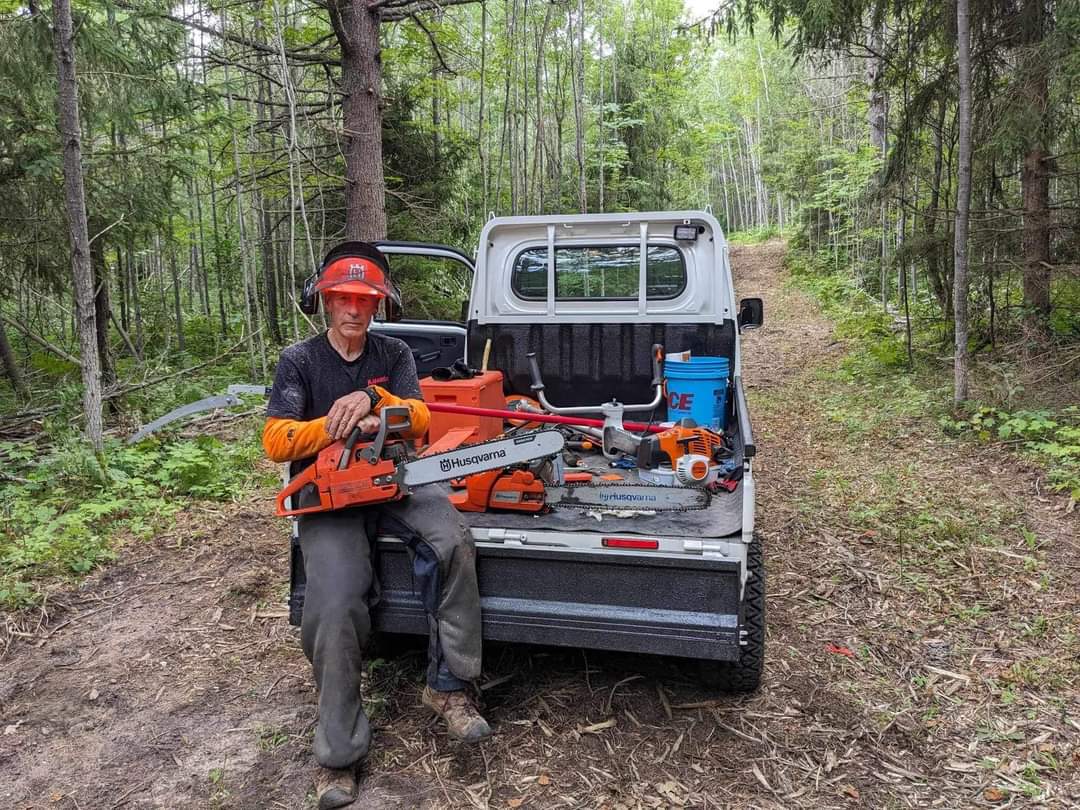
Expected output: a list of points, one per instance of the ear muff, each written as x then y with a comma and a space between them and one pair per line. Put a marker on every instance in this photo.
309, 299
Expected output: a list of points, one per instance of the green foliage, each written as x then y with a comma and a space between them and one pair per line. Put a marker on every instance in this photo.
65, 512
1051, 438
878, 346
753, 236
877, 361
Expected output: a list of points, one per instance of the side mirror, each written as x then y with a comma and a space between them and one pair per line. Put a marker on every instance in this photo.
751, 313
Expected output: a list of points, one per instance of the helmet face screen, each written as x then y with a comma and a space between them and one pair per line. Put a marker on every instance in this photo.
354, 274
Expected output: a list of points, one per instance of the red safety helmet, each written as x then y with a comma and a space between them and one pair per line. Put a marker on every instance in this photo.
352, 267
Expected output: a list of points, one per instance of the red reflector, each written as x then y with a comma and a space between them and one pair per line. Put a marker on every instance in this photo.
629, 542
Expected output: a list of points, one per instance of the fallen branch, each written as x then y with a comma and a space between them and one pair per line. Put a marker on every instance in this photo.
127, 340
42, 342
146, 384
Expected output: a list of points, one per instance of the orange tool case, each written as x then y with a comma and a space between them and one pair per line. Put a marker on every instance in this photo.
485, 390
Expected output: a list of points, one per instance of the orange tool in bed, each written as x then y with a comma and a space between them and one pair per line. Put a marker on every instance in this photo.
516, 490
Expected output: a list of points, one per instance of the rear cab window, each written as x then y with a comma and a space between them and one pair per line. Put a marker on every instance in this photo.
600, 272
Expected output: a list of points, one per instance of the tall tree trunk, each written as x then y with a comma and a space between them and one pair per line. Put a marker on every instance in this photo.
75, 207
436, 118
178, 310
136, 296
934, 271
121, 282
269, 281
963, 204
11, 368
102, 308
357, 30
270, 294
480, 150
579, 105
219, 258
1035, 174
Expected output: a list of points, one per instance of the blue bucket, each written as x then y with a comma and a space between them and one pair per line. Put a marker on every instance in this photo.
697, 389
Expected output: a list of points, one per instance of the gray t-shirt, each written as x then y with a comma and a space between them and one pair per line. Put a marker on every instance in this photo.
311, 376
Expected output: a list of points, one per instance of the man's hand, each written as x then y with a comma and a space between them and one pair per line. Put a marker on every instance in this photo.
350, 411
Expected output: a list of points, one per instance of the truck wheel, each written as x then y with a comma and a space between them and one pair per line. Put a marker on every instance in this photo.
744, 675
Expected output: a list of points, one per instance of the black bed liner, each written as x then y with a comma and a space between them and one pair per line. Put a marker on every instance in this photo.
589, 363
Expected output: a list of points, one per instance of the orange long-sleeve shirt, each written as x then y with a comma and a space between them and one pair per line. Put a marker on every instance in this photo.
292, 439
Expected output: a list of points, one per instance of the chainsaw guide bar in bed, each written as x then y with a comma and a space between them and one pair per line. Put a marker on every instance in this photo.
627, 497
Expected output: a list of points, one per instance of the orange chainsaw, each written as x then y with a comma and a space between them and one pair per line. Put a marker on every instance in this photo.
355, 473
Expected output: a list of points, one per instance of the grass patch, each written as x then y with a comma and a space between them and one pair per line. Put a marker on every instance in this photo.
753, 236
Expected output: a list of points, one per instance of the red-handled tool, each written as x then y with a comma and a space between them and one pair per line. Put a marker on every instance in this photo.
532, 416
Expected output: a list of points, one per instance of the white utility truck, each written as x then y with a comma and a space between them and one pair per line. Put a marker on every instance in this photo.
580, 301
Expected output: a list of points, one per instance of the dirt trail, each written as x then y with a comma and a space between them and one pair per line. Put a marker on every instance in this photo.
171, 680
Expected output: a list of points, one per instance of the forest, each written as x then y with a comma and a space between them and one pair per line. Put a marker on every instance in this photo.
173, 171
898, 182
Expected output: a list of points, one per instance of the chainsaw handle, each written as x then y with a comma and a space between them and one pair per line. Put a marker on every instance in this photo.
401, 412
291, 489
374, 452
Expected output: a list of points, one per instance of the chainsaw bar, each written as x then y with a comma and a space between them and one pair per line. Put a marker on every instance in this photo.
629, 497
481, 457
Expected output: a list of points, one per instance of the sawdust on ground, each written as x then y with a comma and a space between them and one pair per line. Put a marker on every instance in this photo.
171, 679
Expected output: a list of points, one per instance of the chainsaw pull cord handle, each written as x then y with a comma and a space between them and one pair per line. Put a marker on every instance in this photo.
350, 443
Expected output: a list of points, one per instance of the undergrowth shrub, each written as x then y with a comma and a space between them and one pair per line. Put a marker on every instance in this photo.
65, 512
1052, 437
877, 348
877, 362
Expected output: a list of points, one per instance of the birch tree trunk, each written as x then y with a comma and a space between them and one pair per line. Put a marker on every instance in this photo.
963, 203
579, 106
75, 208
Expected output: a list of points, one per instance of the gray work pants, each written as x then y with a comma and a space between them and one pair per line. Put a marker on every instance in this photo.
336, 623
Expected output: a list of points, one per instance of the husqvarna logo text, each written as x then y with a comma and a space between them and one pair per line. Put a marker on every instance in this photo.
624, 497
449, 464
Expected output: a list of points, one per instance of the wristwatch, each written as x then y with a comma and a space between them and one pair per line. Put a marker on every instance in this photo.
374, 396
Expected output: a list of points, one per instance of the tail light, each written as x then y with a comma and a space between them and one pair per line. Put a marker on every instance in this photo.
630, 542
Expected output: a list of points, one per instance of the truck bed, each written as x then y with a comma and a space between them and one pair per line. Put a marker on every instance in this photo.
548, 579
723, 516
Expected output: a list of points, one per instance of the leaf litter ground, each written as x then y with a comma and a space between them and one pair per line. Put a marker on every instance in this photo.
923, 646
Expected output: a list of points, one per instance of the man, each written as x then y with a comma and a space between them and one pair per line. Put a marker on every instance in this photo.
324, 387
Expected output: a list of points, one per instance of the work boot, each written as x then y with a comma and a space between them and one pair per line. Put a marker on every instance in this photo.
335, 787
463, 721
